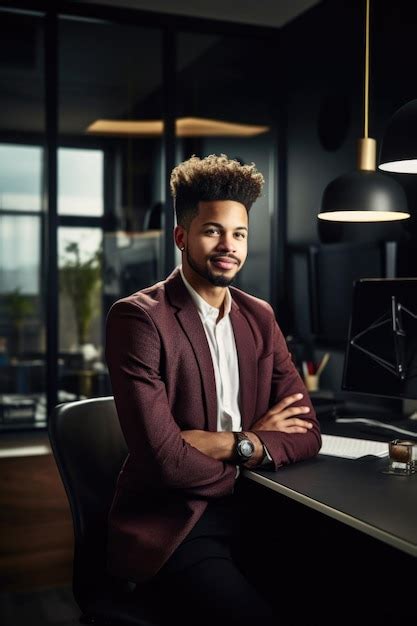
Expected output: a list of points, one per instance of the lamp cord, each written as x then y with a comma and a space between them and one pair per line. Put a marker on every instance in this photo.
366, 88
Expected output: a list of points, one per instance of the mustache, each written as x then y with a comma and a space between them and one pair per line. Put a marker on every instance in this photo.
216, 257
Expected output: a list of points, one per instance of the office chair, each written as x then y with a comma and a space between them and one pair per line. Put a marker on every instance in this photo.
89, 449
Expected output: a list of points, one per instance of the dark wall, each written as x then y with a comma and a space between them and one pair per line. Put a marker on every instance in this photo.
323, 55
322, 58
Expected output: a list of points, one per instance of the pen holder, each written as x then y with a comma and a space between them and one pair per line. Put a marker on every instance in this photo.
311, 382
402, 457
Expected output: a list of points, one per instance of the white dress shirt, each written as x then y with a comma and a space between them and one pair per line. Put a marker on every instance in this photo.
223, 351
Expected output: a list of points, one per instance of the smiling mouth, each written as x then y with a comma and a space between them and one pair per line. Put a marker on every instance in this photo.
224, 263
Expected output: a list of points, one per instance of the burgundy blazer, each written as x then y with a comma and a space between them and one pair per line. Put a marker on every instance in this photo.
163, 382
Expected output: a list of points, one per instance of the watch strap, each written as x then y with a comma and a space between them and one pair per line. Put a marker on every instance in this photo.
239, 437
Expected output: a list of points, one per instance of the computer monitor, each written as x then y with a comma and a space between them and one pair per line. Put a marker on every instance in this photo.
381, 352
321, 285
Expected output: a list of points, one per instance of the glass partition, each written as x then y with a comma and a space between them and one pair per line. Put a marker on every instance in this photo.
110, 180
110, 187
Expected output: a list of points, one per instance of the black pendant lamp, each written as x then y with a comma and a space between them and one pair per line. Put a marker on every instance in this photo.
363, 195
399, 144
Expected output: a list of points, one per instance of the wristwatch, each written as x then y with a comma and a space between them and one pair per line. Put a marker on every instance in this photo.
244, 447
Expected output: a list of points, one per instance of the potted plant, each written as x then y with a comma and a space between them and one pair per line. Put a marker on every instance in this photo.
80, 278
19, 307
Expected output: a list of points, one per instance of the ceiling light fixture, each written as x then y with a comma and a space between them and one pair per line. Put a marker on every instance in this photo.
399, 144
364, 195
185, 127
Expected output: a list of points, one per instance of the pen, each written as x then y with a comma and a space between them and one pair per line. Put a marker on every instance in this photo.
323, 363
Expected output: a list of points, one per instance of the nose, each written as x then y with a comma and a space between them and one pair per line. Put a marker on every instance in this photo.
227, 243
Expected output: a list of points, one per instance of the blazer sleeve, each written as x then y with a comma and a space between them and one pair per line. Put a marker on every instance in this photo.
133, 351
285, 448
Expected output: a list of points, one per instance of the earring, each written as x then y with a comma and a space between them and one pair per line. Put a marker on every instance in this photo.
182, 249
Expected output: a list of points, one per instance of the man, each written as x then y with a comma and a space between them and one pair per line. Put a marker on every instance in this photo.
203, 384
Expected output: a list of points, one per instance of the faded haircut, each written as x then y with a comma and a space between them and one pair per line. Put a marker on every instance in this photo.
215, 177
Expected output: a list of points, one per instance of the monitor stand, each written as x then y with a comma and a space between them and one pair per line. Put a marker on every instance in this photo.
410, 409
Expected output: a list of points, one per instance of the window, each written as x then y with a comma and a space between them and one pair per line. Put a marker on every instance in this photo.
22, 320
20, 178
80, 182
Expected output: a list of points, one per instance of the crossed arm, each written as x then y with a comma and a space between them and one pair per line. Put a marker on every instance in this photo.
197, 461
282, 417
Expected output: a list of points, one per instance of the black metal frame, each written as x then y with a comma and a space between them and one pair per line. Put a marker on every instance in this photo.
51, 150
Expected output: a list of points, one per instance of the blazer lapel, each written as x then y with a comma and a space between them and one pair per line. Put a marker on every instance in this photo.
248, 365
190, 322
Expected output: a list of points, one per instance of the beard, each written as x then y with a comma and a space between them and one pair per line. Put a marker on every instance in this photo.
217, 280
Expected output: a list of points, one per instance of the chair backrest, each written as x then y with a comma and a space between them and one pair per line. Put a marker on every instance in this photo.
89, 449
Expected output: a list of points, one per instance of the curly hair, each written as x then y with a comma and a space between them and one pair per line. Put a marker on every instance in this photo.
215, 177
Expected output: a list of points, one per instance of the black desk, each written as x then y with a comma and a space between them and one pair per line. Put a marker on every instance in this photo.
354, 492
337, 539
345, 533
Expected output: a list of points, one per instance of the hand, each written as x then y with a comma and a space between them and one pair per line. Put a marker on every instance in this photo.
282, 417
196, 438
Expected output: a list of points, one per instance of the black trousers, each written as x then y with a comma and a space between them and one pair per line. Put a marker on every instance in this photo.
210, 579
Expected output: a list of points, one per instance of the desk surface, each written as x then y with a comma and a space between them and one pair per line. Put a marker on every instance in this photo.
355, 493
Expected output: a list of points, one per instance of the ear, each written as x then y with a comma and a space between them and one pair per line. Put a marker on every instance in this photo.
180, 237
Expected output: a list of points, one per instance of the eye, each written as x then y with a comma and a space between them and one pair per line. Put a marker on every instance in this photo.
212, 231
240, 235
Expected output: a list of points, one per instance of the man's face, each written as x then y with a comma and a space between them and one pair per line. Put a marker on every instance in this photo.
216, 244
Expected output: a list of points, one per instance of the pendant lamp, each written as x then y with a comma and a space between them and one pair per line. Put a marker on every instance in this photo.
363, 195
399, 144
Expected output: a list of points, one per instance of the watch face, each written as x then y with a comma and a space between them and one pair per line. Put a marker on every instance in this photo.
246, 448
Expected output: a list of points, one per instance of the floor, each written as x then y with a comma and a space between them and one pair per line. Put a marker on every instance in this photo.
47, 607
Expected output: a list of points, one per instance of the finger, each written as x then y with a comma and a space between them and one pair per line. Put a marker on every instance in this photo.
291, 412
296, 429
286, 425
284, 428
276, 418
285, 402
295, 422
294, 425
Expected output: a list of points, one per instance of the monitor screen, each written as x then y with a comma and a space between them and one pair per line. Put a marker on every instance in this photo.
321, 285
381, 352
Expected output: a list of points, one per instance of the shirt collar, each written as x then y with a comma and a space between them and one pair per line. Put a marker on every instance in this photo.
204, 308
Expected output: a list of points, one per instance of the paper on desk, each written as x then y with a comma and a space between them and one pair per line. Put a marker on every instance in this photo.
350, 448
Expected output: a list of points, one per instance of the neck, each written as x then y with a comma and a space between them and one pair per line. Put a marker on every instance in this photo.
212, 295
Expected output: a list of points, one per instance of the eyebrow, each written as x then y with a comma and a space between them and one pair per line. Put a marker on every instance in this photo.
221, 226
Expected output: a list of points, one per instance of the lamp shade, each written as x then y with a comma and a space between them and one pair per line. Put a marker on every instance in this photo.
363, 196
398, 151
